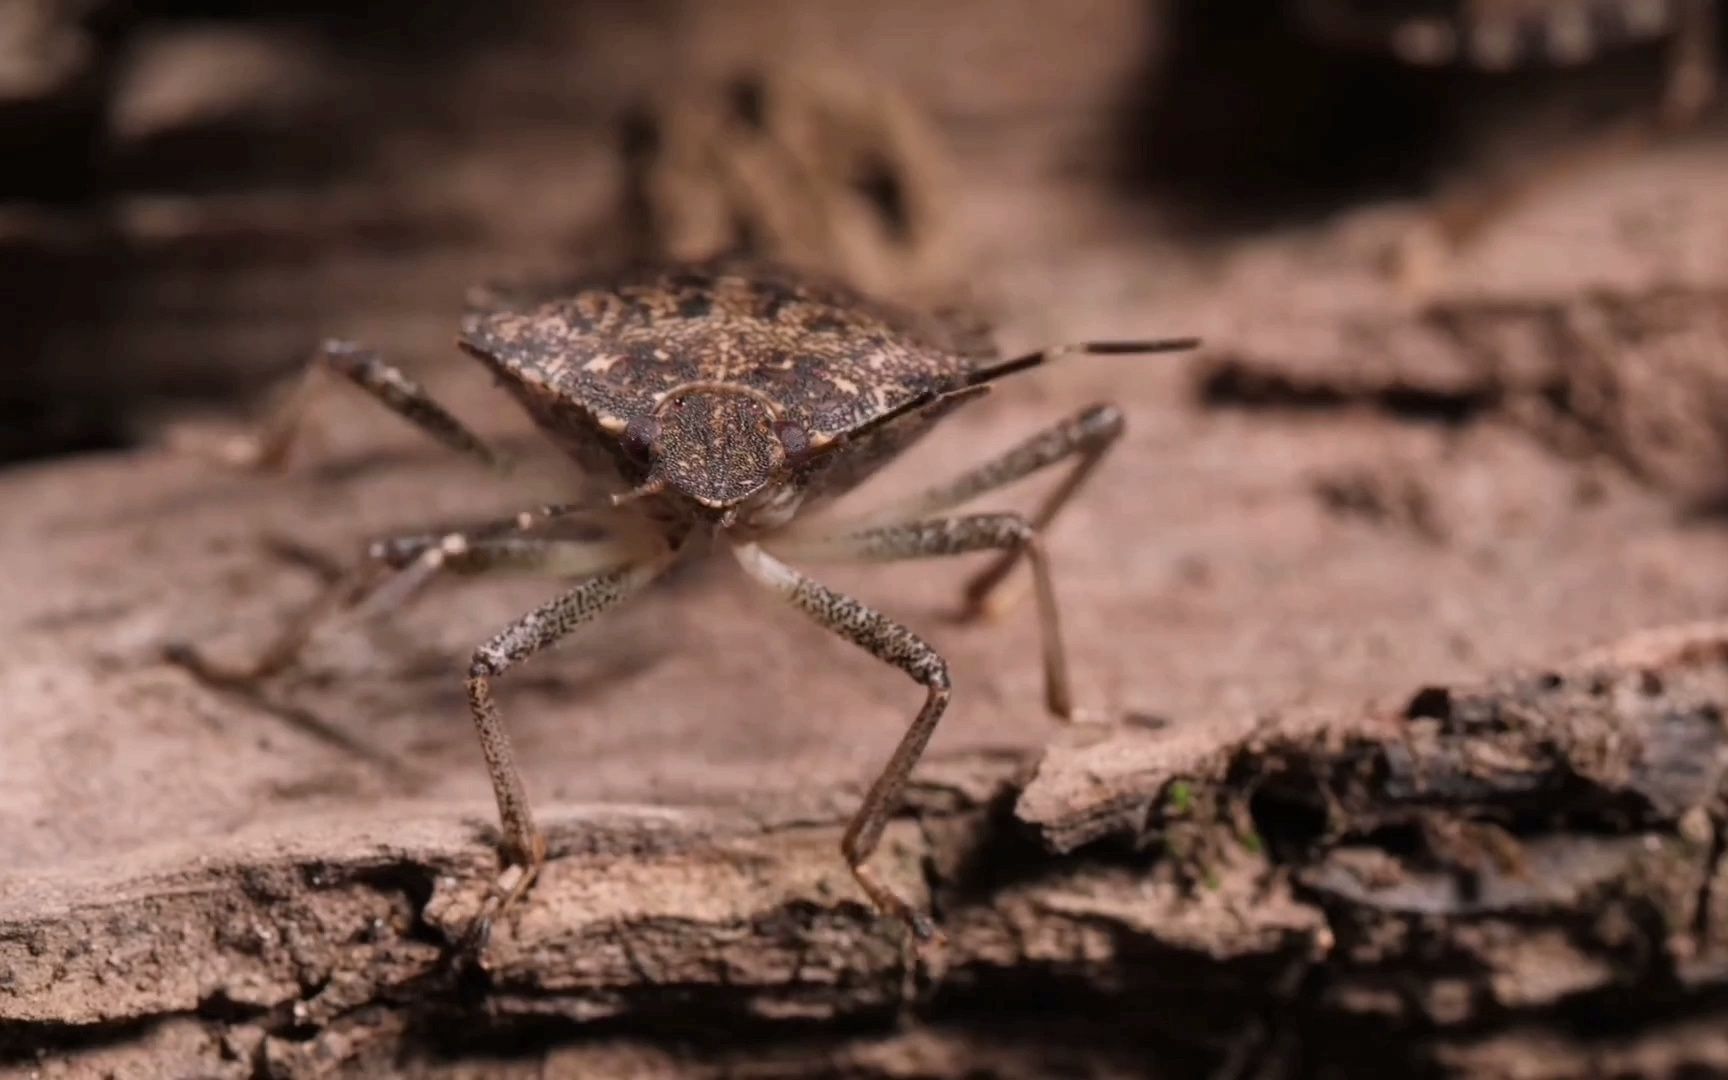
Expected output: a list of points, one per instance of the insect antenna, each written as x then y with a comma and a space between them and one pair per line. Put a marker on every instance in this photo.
654, 485
996, 371
979, 382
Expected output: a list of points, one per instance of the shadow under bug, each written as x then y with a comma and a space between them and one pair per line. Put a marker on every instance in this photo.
719, 401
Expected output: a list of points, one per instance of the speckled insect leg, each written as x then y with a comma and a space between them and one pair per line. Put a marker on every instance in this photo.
891, 643
957, 536
524, 848
286, 648
400, 567
1089, 434
399, 552
270, 447
459, 553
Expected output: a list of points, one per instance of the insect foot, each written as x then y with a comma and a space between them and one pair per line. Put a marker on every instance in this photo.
508, 888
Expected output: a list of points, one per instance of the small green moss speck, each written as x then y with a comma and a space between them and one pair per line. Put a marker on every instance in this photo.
1179, 798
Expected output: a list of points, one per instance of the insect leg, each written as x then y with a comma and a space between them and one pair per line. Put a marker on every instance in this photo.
269, 448
397, 569
1086, 436
459, 553
1010, 533
524, 848
400, 551
891, 643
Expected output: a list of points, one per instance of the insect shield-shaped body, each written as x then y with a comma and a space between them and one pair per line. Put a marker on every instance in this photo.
721, 397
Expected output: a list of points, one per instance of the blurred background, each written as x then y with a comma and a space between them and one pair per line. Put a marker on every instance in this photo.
195, 192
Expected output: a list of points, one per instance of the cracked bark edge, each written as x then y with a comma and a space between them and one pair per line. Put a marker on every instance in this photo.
1630, 377
1492, 859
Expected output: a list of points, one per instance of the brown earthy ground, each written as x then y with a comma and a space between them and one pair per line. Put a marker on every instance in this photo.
1363, 801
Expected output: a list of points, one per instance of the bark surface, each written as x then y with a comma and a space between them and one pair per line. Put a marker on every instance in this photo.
1401, 619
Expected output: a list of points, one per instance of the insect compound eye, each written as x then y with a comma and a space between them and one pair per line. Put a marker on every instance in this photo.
639, 436
794, 439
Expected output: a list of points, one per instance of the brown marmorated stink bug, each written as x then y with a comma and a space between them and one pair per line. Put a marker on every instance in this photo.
719, 400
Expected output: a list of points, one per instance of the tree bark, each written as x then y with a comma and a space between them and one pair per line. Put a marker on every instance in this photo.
1357, 802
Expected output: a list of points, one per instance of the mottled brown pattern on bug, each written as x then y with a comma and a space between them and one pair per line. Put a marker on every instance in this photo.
825, 357
725, 391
